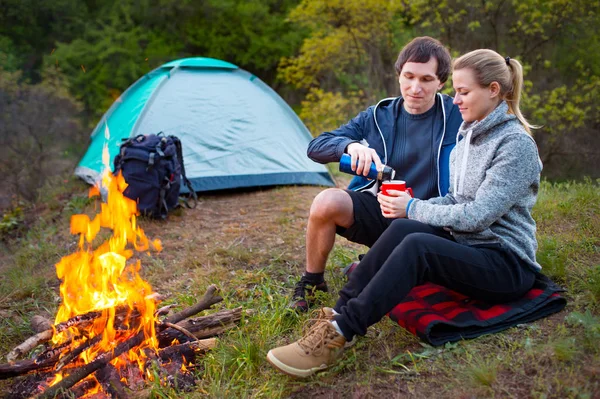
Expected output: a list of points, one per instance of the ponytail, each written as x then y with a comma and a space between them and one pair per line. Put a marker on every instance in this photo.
513, 96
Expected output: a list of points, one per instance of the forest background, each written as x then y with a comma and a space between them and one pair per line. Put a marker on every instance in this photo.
63, 62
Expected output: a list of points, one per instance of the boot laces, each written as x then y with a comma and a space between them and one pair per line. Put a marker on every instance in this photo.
320, 334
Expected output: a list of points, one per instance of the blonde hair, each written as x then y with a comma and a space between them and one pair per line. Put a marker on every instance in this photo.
489, 66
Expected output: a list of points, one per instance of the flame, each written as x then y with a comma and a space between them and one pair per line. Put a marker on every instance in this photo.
102, 280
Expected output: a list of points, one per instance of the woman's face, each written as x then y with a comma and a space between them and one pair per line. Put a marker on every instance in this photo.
474, 101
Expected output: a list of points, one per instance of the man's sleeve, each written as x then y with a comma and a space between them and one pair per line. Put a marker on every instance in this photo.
329, 146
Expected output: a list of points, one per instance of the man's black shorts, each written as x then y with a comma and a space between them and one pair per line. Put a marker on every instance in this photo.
369, 223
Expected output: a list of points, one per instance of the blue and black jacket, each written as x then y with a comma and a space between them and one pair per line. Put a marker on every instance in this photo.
377, 126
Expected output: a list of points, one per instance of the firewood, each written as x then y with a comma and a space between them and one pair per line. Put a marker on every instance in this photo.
79, 389
103, 359
188, 349
109, 378
202, 327
206, 302
100, 361
40, 323
29, 344
74, 353
9, 370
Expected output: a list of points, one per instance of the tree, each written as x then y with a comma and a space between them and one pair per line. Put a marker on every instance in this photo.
348, 57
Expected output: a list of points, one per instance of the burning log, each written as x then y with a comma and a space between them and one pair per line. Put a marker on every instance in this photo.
209, 299
69, 357
110, 380
10, 370
188, 349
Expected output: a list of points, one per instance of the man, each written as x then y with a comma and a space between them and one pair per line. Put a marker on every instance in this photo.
413, 134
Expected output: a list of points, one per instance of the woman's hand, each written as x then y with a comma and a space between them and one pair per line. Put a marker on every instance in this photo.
394, 204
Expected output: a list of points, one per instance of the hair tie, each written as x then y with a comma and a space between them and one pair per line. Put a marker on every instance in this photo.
507, 59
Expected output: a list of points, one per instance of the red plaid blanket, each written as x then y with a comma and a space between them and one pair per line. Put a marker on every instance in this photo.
438, 315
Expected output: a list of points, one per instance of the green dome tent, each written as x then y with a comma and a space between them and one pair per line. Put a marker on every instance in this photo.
235, 130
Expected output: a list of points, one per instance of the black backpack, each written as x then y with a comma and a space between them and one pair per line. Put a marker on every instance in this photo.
152, 166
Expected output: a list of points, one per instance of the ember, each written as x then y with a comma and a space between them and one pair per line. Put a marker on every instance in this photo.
107, 334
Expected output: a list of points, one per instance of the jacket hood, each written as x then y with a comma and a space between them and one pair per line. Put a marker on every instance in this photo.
470, 130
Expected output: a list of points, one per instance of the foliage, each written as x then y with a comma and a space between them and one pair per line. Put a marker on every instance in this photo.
347, 60
11, 221
351, 46
253, 34
34, 27
322, 111
109, 57
37, 123
9, 60
551, 38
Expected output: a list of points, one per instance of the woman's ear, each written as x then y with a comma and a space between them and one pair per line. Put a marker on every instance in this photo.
494, 89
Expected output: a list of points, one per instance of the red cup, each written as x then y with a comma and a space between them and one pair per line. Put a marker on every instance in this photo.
398, 185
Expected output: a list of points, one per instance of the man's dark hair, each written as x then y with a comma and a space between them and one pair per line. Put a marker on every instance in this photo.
421, 49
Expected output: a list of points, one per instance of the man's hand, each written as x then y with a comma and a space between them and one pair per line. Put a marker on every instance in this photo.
394, 204
365, 156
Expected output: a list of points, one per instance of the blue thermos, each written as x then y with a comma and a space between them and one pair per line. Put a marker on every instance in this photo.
386, 173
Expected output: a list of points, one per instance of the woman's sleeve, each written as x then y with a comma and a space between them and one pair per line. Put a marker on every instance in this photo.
509, 178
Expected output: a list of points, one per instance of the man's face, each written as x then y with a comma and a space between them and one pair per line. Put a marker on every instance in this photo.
419, 85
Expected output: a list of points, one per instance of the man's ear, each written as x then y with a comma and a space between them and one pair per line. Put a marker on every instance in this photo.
494, 89
441, 86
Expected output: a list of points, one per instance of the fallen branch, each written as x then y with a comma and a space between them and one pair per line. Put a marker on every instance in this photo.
206, 302
202, 327
181, 330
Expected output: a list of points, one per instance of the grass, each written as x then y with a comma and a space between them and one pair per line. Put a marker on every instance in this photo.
251, 244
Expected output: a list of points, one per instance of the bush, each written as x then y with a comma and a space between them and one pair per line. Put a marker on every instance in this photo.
38, 127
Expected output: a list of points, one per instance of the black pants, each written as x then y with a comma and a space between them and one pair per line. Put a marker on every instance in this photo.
410, 253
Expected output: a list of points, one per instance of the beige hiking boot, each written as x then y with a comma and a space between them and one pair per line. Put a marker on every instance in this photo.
316, 350
328, 314
325, 314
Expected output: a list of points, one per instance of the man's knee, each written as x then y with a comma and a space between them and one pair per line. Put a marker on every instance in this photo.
332, 204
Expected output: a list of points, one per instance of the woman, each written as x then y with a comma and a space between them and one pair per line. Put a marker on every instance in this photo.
479, 239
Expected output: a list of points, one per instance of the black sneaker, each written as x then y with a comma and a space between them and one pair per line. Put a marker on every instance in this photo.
349, 269
304, 293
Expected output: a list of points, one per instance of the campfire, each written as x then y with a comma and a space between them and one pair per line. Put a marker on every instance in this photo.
109, 337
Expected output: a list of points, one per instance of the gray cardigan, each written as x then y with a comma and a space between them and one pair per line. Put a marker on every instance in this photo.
495, 170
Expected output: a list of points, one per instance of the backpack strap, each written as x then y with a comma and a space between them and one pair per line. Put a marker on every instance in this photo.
163, 209
186, 181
